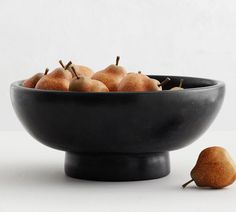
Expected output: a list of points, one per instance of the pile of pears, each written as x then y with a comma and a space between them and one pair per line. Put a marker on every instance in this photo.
73, 77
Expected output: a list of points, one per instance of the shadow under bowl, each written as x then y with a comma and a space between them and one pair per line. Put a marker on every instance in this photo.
119, 136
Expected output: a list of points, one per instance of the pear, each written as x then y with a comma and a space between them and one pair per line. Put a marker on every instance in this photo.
178, 88
32, 81
86, 84
59, 79
214, 168
134, 82
111, 76
81, 70
62, 71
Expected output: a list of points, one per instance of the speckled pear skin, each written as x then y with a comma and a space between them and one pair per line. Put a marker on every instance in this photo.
138, 82
111, 76
81, 70
61, 73
49, 83
86, 84
32, 81
214, 168
59, 79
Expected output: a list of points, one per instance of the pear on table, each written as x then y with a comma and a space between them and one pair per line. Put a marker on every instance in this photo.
86, 84
178, 88
59, 79
214, 168
32, 81
140, 82
111, 76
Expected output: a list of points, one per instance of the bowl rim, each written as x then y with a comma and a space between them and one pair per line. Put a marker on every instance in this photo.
215, 84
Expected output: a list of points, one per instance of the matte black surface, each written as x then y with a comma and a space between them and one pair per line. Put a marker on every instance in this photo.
117, 167
119, 122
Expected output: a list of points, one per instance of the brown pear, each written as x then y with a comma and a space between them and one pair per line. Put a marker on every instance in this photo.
59, 79
214, 168
134, 82
62, 72
178, 88
32, 81
81, 70
86, 84
111, 76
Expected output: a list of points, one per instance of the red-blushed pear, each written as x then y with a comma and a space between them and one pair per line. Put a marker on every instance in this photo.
86, 84
138, 82
59, 79
62, 72
214, 168
81, 70
111, 76
32, 81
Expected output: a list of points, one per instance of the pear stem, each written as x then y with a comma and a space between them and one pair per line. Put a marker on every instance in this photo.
67, 65
60, 61
117, 60
164, 82
181, 83
46, 71
185, 184
73, 69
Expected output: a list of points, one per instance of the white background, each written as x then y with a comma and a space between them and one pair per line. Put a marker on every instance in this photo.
184, 37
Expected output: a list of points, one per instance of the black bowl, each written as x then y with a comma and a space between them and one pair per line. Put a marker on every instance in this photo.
119, 136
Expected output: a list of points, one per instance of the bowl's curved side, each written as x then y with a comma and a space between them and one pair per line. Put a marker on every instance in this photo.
117, 122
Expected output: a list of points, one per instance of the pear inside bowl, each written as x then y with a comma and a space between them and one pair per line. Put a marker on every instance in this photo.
119, 136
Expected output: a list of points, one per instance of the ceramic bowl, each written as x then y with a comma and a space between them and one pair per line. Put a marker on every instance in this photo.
119, 136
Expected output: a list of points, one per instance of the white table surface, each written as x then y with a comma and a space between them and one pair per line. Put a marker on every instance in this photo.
32, 179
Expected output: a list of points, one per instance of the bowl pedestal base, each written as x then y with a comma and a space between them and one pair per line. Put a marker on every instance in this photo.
117, 166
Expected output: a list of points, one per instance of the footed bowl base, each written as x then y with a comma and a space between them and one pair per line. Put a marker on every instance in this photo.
117, 166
